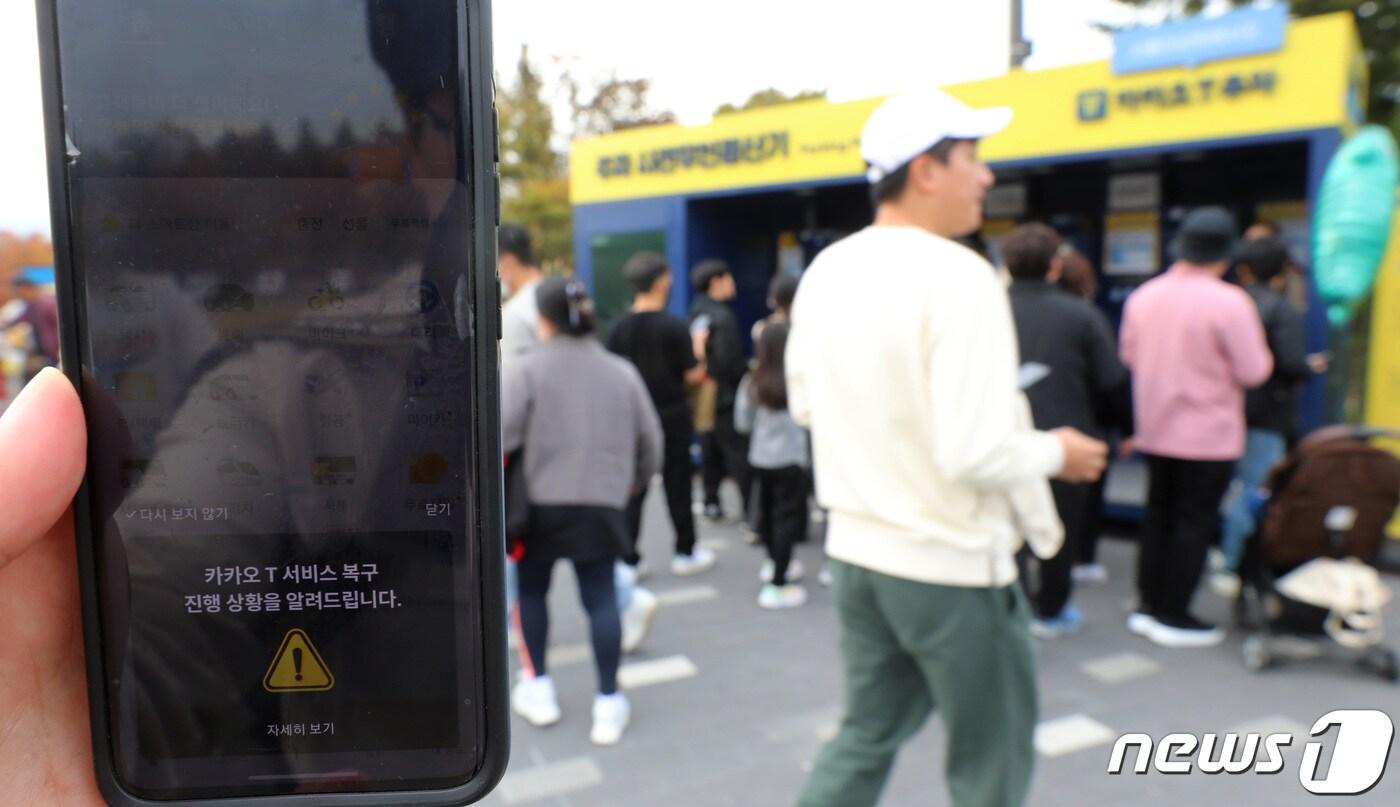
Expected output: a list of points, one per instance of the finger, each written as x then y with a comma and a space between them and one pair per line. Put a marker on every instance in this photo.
43, 451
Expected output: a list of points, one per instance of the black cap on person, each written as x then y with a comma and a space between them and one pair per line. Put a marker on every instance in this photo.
1207, 235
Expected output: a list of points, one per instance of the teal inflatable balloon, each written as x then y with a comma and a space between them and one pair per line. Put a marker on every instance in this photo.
1351, 226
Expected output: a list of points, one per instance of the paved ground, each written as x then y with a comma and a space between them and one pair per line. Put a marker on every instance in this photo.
731, 703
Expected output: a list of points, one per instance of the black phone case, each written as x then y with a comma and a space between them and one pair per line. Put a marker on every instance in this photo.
478, 107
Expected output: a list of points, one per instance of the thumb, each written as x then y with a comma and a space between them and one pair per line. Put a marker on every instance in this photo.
43, 451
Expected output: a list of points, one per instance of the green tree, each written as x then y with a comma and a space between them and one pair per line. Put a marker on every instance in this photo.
534, 172
527, 126
1379, 24
542, 205
1177, 8
770, 97
613, 105
534, 187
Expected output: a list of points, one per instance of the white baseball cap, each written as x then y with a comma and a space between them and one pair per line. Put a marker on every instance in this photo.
908, 124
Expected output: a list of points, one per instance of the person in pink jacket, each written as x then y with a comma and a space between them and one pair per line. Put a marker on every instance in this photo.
1194, 344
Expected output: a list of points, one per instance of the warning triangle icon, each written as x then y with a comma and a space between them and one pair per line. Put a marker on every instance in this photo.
297, 667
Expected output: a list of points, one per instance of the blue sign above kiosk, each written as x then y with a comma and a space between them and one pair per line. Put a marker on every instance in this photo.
1193, 42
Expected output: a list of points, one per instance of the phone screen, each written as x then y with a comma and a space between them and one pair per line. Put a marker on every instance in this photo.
271, 238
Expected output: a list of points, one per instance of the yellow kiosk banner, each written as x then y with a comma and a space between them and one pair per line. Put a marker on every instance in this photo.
1383, 376
1081, 109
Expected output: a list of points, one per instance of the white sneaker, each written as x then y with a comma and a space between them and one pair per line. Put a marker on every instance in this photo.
636, 620
611, 714
633, 574
794, 575
775, 597
535, 700
1215, 560
699, 560
824, 575
625, 574
1226, 584
1141, 623
1089, 574
1189, 633
751, 536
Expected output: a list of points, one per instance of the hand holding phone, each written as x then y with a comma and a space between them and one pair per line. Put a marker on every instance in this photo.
277, 289
45, 755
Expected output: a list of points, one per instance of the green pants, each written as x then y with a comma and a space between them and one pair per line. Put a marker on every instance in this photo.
910, 648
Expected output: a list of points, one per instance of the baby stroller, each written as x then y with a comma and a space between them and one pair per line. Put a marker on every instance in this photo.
1308, 572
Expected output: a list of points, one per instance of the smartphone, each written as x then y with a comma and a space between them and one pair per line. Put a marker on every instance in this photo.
274, 239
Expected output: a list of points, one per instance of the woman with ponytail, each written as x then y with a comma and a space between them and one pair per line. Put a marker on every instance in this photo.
590, 438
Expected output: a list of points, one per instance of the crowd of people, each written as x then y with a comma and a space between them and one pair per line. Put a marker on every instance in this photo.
28, 333
1215, 371
592, 417
956, 449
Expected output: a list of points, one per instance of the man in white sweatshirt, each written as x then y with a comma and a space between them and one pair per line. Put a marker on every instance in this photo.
903, 362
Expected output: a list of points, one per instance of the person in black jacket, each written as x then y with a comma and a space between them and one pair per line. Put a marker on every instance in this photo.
725, 450
1070, 371
1079, 278
1270, 409
660, 346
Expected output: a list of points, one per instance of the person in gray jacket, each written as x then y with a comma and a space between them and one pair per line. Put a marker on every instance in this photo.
780, 457
590, 438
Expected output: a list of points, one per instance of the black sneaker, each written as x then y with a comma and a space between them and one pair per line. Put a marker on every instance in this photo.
714, 513
1186, 631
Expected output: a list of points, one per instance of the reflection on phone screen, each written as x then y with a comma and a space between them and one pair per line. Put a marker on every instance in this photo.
271, 220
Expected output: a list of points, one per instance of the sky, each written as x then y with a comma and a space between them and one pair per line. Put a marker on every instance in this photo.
697, 56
